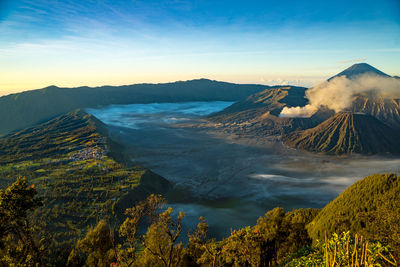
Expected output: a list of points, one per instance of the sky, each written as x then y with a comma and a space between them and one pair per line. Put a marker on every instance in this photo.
115, 42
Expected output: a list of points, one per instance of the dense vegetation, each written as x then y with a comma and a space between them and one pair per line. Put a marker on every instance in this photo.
278, 239
68, 161
31, 107
369, 207
347, 133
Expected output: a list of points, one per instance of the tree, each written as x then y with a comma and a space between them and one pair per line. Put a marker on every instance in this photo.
201, 250
244, 247
158, 247
98, 245
18, 244
384, 223
284, 233
160, 241
129, 229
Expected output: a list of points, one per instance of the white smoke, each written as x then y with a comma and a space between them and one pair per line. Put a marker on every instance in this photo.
338, 93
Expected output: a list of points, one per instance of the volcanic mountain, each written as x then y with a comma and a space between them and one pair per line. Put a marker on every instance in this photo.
384, 108
359, 69
271, 99
258, 114
347, 133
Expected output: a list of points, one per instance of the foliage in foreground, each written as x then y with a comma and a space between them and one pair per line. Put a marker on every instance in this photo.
69, 160
345, 250
278, 239
369, 207
18, 244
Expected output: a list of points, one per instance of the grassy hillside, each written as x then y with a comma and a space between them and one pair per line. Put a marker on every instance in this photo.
29, 108
68, 160
347, 133
369, 207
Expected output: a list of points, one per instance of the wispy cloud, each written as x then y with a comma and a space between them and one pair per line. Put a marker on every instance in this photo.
175, 38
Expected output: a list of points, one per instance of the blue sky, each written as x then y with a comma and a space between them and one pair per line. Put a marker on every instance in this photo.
73, 43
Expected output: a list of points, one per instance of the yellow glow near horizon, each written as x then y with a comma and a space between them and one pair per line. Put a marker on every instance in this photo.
15, 82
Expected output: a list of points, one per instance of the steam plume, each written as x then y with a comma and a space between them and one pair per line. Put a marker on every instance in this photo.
338, 93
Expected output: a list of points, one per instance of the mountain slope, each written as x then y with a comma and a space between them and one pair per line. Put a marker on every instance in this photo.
359, 69
58, 136
258, 114
271, 99
347, 133
29, 108
68, 160
369, 207
386, 110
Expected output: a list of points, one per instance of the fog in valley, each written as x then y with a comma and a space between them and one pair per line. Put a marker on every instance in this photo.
230, 181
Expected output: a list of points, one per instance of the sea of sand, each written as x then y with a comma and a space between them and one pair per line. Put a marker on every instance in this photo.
229, 180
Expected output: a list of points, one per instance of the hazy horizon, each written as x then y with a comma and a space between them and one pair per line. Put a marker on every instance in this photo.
93, 43
4, 93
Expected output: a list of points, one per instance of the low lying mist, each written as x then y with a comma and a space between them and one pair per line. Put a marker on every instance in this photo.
135, 116
230, 181
338, 93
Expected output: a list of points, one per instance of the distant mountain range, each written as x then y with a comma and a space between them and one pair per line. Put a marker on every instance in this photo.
18, 111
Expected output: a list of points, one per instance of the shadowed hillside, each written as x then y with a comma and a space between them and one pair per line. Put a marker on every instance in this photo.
32, 107
347, 133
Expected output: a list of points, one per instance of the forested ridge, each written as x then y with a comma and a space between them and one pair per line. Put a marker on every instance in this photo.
70, 161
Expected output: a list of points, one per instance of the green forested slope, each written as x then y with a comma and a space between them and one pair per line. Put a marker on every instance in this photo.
67, 159
369, 207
